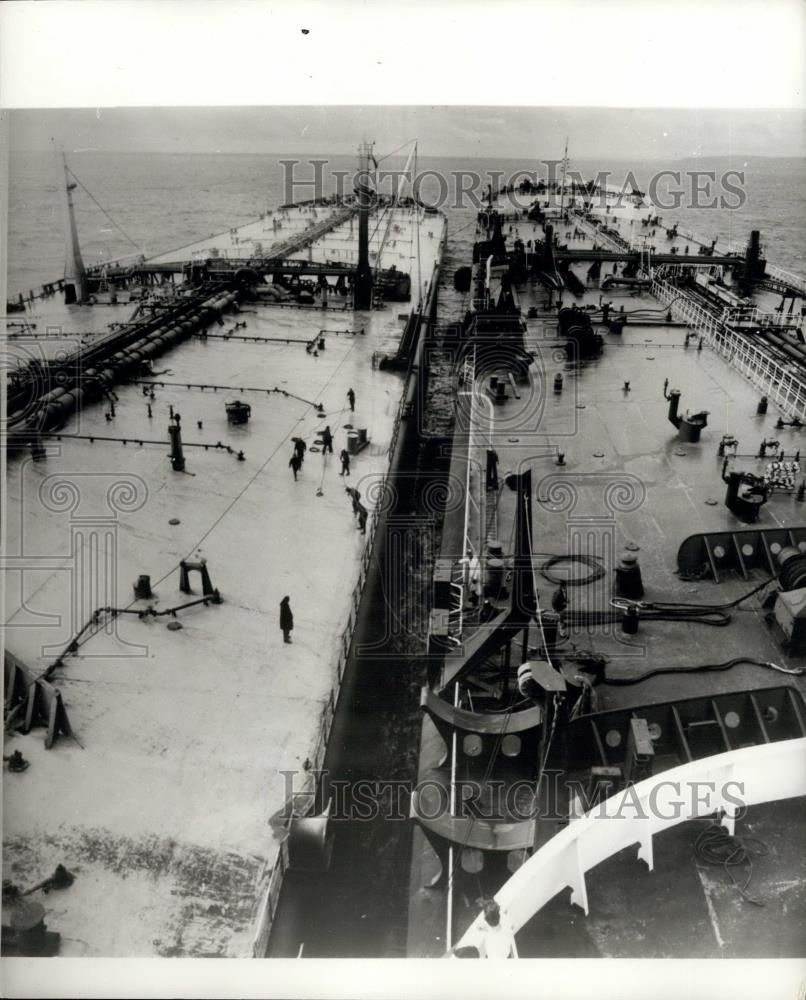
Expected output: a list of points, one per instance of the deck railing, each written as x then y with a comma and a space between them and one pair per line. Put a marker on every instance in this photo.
768, 772
782, 385
756, 317
304, 800
795, 280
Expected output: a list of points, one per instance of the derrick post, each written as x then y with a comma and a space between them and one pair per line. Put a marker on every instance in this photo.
363, 275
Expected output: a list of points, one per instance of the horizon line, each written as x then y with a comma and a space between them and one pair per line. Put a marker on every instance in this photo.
425, 156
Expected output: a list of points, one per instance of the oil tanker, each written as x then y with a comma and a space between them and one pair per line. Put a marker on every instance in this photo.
545, 567
612, 748
225, 443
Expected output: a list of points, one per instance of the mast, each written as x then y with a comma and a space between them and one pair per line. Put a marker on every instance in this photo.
74, 275
416, 205
562, 182
524, 599
363, 276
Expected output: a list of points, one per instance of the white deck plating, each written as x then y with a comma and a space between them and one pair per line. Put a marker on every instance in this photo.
164, 813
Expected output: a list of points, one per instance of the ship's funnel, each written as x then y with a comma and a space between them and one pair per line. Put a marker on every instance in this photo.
74, 274
755, 266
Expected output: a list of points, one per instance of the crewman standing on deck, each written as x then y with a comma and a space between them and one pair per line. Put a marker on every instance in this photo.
327, 440
295, 463
355, 498
286, 619
351, 400
345, 462
498, 940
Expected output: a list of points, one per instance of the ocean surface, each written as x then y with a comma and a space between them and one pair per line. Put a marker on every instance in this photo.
159, 201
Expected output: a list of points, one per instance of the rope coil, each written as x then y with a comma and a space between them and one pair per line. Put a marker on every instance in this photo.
715, 846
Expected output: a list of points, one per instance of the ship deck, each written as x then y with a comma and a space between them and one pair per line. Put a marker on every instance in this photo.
629, 479
166, 804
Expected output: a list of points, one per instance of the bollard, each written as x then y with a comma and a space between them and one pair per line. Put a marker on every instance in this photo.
629, 621
761, 409
628, 577
494, 582
558, 383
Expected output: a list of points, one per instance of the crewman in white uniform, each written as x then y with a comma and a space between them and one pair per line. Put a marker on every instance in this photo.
498, 941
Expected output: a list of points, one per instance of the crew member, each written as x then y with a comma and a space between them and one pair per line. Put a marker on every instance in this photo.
286, 619
498, 940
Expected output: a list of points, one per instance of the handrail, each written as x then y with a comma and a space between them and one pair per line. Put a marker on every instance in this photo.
764, 773
763, 319
303, 800
795, 280
469, 386
779, 383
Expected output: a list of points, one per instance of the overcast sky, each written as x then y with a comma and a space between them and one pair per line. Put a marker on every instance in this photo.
442, 131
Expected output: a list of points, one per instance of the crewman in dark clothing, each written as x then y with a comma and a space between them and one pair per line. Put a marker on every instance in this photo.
345, 462
286, 619
355, 498
295, 463
16, 762
351, 400
327, 441
299, 449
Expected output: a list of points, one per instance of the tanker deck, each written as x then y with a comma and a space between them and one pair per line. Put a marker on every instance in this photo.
157, 723
577, 477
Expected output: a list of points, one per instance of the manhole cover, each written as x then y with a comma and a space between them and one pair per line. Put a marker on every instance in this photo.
314, 448
632, 547
681, 452
598, 454
580, 406
347, 427
650, 359
174, 520
711, 502
174, 626
513, 440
